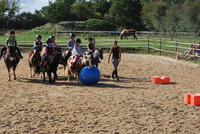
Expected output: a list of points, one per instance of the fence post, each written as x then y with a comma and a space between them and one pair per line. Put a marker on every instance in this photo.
148, 46
160, 47
193, 51
176, 46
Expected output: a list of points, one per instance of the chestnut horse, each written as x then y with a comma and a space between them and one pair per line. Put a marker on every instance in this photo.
34, 60
11, 60
127, 32
83, 61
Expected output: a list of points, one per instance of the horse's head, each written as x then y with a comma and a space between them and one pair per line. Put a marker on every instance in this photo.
98, 53
11, 53
87, 61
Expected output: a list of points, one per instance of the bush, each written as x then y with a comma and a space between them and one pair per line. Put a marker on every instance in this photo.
99, 25
89, 25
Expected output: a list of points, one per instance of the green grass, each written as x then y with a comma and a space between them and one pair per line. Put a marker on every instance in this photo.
106, 40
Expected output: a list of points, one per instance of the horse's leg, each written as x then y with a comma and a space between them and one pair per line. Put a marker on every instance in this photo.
8, 73
30, 74
43, 76
14, 75
68, 74
55, 76
49, 74
77, 78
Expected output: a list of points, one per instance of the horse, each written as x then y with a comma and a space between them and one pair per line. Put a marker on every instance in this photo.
51, 65
98, 54
128, 32
64, 58
81, 63
34, 60
11, 60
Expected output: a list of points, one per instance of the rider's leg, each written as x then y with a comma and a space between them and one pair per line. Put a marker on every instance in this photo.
19, 52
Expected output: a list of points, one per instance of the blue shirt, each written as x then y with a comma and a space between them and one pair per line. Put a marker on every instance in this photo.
78, 50
70, 45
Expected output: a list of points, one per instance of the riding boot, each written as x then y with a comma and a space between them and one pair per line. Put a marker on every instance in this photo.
113, 73
116, 74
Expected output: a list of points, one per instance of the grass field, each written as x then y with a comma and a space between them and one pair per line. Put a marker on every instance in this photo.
105, 40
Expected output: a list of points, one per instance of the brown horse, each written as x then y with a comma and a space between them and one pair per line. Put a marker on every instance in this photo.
11, 60
34, 60
86, 60
127, 32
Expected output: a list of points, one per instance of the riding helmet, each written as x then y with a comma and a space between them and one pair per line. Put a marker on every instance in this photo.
72, 35
90, 39
48, 40
38, 36
51, 36
78, 40
12, 32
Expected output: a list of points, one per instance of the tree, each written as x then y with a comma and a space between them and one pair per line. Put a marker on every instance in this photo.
58, 11
126, 13
81, 11
8, 10
102, 6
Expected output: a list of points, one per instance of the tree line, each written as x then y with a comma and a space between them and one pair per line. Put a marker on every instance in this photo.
157, 15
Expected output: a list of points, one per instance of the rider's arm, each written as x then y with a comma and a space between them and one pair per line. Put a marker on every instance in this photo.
69, 46
15, 43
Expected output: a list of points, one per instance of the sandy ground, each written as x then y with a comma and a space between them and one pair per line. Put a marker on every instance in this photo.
132, 105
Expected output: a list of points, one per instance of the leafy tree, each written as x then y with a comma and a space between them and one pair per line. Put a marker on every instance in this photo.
102, 6
126, 13
8, 10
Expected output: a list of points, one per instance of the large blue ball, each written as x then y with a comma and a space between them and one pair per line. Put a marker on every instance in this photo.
89, 76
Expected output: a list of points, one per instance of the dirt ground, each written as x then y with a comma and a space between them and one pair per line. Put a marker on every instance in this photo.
132, 105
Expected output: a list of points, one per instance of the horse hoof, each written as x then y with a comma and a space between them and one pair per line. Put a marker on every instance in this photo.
14, 78
8, 79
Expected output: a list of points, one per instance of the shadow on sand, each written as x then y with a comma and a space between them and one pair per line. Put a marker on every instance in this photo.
104, 82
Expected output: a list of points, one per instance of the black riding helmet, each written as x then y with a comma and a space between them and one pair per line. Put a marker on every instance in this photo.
12, 32
78, 40
38, 36
72, 35
90, 39
48, 40
51, 36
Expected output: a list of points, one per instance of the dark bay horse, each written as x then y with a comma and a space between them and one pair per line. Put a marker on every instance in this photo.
34, 60
127, 32
96, 56
83, 61
51, 65
11, 60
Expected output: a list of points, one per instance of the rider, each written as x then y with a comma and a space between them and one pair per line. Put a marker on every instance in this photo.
48, 51
71, 42
90, 46
53, 38
78, 52
11, 42
37, 44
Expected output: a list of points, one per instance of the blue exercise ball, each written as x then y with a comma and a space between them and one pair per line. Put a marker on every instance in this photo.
89, 76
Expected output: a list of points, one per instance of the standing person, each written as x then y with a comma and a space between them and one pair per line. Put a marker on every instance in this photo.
37, 44
90, 46
115, 51
11, 42
53, 38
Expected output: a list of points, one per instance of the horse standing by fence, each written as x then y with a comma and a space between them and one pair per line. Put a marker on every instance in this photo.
34, 60
127, 32
86, 60
11, 60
